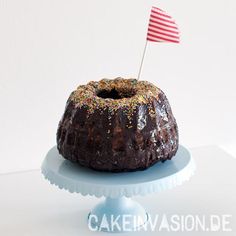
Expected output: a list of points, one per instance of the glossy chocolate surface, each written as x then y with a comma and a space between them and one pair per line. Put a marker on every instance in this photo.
118, 141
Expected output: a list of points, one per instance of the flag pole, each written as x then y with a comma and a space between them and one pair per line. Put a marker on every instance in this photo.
141, 65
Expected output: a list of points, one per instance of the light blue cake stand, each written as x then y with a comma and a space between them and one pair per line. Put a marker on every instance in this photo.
117, 188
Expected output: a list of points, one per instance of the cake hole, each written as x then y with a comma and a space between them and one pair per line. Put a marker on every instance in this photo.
115, 94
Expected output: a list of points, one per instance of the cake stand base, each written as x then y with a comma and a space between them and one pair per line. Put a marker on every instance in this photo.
117, 215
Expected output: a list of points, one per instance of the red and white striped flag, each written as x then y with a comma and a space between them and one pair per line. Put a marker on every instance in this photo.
162, 28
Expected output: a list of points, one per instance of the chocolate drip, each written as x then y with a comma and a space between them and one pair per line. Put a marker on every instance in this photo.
117, 140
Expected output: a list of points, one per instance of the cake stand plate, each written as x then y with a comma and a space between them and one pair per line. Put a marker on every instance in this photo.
117, 213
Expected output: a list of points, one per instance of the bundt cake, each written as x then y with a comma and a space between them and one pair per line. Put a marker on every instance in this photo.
117, 125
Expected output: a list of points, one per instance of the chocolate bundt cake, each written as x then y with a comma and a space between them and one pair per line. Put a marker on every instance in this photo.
117, 125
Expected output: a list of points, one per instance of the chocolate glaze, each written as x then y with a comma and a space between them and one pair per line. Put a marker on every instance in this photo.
115, 142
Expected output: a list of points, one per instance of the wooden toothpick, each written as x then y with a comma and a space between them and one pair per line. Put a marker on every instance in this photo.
141, 65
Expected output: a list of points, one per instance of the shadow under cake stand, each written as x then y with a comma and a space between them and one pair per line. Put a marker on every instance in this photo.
117, 213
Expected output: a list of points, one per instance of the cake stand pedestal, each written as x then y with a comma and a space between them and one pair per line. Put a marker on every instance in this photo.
117, 213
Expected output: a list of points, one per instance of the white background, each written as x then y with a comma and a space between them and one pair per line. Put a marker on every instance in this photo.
49, 47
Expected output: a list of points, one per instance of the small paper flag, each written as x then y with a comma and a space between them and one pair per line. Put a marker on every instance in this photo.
162, 28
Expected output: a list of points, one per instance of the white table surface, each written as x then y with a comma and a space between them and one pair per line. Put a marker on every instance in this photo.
31, 206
